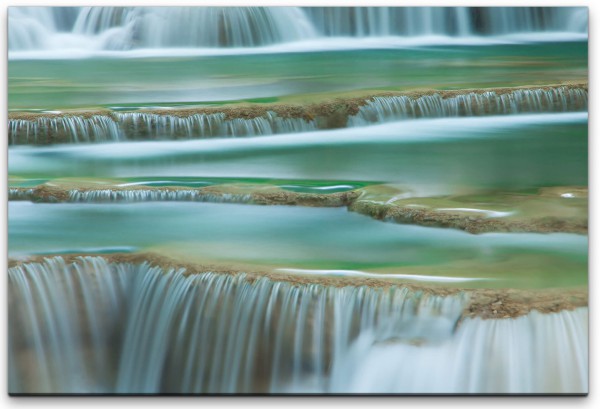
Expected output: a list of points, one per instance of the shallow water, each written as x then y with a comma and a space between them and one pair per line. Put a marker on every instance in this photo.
55, 84
296, 237
432, 156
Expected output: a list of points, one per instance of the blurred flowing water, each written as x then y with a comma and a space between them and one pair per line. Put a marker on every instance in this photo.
94, 326
123, 28
432, 156
147, 81
284, 237
238, 336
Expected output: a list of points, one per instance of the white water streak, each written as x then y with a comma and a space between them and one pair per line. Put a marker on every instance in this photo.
364, 274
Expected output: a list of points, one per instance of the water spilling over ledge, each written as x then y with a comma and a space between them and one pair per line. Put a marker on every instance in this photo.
259, 120
183, 329
39, 129
56, 129
452, 21
125, 28
226, 193
557, 209
389, 108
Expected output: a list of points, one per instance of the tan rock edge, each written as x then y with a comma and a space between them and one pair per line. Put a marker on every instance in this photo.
483, 303
546, 211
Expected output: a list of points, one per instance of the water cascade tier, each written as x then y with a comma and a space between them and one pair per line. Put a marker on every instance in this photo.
451, 104
108, 126
125, 28
558, 209
117, 126
91, 325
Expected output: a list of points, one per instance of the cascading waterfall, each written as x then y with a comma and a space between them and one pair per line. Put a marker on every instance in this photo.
223, 333
145, 195
537, 353
68, 128
123, 28
148, 125
382, 109
32, 27
479, 286
20, 193
389, 21
118, 126
62, 325
452, 21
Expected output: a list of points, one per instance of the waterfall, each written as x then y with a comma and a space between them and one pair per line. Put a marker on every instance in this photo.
145, 195
97, 326
16, 193
124, 28
382, 109
31, 27
113, 127
158, 126
118, 126
62, 325
389, 21
537, 353
60, 129
450, 21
